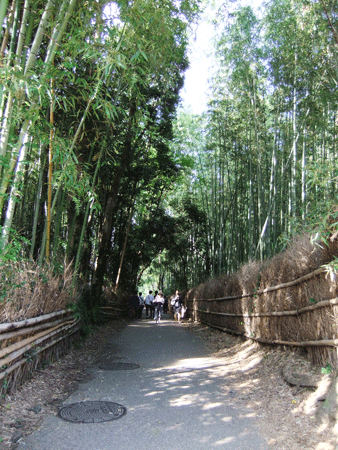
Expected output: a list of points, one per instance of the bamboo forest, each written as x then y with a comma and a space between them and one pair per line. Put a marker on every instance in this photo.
106, 174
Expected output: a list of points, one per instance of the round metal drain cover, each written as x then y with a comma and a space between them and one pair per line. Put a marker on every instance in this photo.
107, 359
111, 348
92, 412
110, 357
110, 365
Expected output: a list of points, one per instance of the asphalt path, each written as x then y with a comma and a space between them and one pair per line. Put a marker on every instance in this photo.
175, 400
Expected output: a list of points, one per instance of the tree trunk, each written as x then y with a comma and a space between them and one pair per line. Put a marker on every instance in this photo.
125, 245
105, 241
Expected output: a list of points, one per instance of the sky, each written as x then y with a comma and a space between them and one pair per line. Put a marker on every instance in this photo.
195, 86
194, 92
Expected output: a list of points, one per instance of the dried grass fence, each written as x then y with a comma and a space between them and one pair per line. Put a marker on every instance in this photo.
287, 301
36, 324
27, 344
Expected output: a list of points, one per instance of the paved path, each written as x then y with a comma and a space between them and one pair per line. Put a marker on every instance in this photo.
174, 401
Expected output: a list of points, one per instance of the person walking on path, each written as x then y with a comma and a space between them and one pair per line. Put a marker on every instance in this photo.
141, 306
176, 303
152, 310
158, 305
148, 302
135, 303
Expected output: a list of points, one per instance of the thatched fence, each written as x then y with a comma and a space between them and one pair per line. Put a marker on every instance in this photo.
30, 343
270, 304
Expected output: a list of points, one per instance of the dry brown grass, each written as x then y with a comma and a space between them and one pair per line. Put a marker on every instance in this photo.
302, 257
249, 276
28, 290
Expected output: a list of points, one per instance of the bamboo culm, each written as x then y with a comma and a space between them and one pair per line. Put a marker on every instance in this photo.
33, 320
38, 350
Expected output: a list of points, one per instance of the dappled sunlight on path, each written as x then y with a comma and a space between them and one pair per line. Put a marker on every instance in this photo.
190, 388
179, 398
186, 379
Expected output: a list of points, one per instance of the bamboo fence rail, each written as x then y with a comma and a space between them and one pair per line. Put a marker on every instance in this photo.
34, 320
266, 290
295, 312
114, 310
20, 342
265, 316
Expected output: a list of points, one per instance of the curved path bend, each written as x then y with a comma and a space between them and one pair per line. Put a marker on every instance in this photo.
176, 400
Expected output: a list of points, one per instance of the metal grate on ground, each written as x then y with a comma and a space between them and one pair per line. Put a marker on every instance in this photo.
111, 365
92, 412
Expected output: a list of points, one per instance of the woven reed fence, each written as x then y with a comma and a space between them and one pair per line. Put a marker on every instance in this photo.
299, 313
27, 344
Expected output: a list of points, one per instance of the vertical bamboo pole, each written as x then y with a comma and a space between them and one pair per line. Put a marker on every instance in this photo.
50, 171
37, 201
125, 245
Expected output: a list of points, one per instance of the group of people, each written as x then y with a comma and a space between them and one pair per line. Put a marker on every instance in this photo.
156, 305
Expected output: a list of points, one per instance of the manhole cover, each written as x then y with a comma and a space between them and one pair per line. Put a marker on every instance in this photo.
111, 348
106, 359
110, 357
111, 365
92, 412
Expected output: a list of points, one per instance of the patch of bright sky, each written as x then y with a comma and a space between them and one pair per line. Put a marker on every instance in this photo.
111, 13
194, 93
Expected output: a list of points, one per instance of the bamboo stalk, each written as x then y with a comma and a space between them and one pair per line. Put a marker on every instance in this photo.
17, 345
50, 170
226, 330
125, 244
40, 33
24, 360
264, 291
292, 283
57, 34
13, 367
18, 353
24, 331
114, 308
295, 312
23, 30
37, 201
321, 343
3, 9
24, 323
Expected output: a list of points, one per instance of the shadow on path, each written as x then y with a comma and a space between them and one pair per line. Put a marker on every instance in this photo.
177, 399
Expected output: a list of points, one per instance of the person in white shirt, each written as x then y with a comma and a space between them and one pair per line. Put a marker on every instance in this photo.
148, 302
158, 303
177, 307
140, 308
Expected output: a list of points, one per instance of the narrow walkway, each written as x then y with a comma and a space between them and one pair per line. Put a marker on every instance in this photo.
175, 400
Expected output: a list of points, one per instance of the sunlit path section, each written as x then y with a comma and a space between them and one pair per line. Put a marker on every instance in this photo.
177, 399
